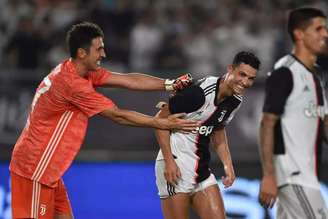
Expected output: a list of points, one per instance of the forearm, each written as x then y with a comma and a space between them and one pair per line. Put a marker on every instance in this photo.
138, 81
163, 136
131, 118
266, 143
220, 144
223, 153
163, 139
146, 82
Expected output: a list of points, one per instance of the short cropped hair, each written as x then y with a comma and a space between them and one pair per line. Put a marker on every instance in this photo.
247, 58
300, 18
81, 36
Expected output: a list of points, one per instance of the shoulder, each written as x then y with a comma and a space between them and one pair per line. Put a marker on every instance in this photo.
281, 75
285, 61
187, 100
100, 72
280, 81
280, 72
206, 82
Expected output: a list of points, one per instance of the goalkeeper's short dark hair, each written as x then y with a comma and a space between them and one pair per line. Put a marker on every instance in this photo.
81, 35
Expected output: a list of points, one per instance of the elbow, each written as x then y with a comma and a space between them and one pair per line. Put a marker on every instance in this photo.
160, 114
114, 114
119, 120
119, 117
132, 86
269, 120
164, 111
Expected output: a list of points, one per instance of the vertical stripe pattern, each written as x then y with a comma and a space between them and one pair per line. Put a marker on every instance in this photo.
52, 145
318, 140
170, 189
304, 202
202, 151
35, 199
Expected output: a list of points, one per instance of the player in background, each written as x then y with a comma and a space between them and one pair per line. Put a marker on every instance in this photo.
183, 176
294, 121
58, 120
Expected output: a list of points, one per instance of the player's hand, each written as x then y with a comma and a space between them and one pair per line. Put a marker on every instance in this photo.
268, 191
229, 177
172, 172
176, 122
178, 84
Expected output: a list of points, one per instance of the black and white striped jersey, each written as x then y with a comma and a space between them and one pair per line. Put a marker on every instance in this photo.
200, 104
295, 94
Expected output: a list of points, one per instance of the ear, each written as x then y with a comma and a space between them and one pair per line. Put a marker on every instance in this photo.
81, 53
298, 34
230, 68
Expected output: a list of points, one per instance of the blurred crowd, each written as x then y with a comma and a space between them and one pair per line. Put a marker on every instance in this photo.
149, 35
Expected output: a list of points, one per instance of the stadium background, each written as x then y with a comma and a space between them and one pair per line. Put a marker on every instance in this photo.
161, 38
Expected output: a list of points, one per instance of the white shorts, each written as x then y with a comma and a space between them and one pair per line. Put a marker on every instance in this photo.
295, 201
165, 189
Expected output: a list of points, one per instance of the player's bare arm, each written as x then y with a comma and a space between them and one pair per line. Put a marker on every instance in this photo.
139, 81
268, 190
172, 172
220, 144
132, 118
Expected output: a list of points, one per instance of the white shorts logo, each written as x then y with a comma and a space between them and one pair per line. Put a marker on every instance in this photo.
43, 209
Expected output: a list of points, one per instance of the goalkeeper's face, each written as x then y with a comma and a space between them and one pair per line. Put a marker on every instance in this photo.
240, 77
95, 54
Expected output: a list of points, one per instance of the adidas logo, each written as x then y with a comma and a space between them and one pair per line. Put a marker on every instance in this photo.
306, 89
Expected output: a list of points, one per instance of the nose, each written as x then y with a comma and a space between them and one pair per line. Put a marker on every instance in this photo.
103, 54
325, 33
246, 82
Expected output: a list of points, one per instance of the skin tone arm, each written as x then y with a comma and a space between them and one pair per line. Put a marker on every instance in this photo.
172, 172
132, 118
138, 81
268, 189
135, 81
220, 144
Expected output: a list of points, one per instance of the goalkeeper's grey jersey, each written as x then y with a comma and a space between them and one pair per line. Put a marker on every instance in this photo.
192, 150
295, 94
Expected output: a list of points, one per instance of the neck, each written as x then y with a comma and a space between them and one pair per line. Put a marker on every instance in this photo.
305, 56
224, 90
81, 69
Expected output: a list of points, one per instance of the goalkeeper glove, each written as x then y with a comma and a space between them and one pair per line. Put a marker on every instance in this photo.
178, 84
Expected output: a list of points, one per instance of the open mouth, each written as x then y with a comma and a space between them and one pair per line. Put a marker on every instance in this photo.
240, 87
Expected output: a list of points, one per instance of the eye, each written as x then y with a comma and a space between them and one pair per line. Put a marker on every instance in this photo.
251, 78
243, 74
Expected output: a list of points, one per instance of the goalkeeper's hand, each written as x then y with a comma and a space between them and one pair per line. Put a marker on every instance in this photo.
178, 84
